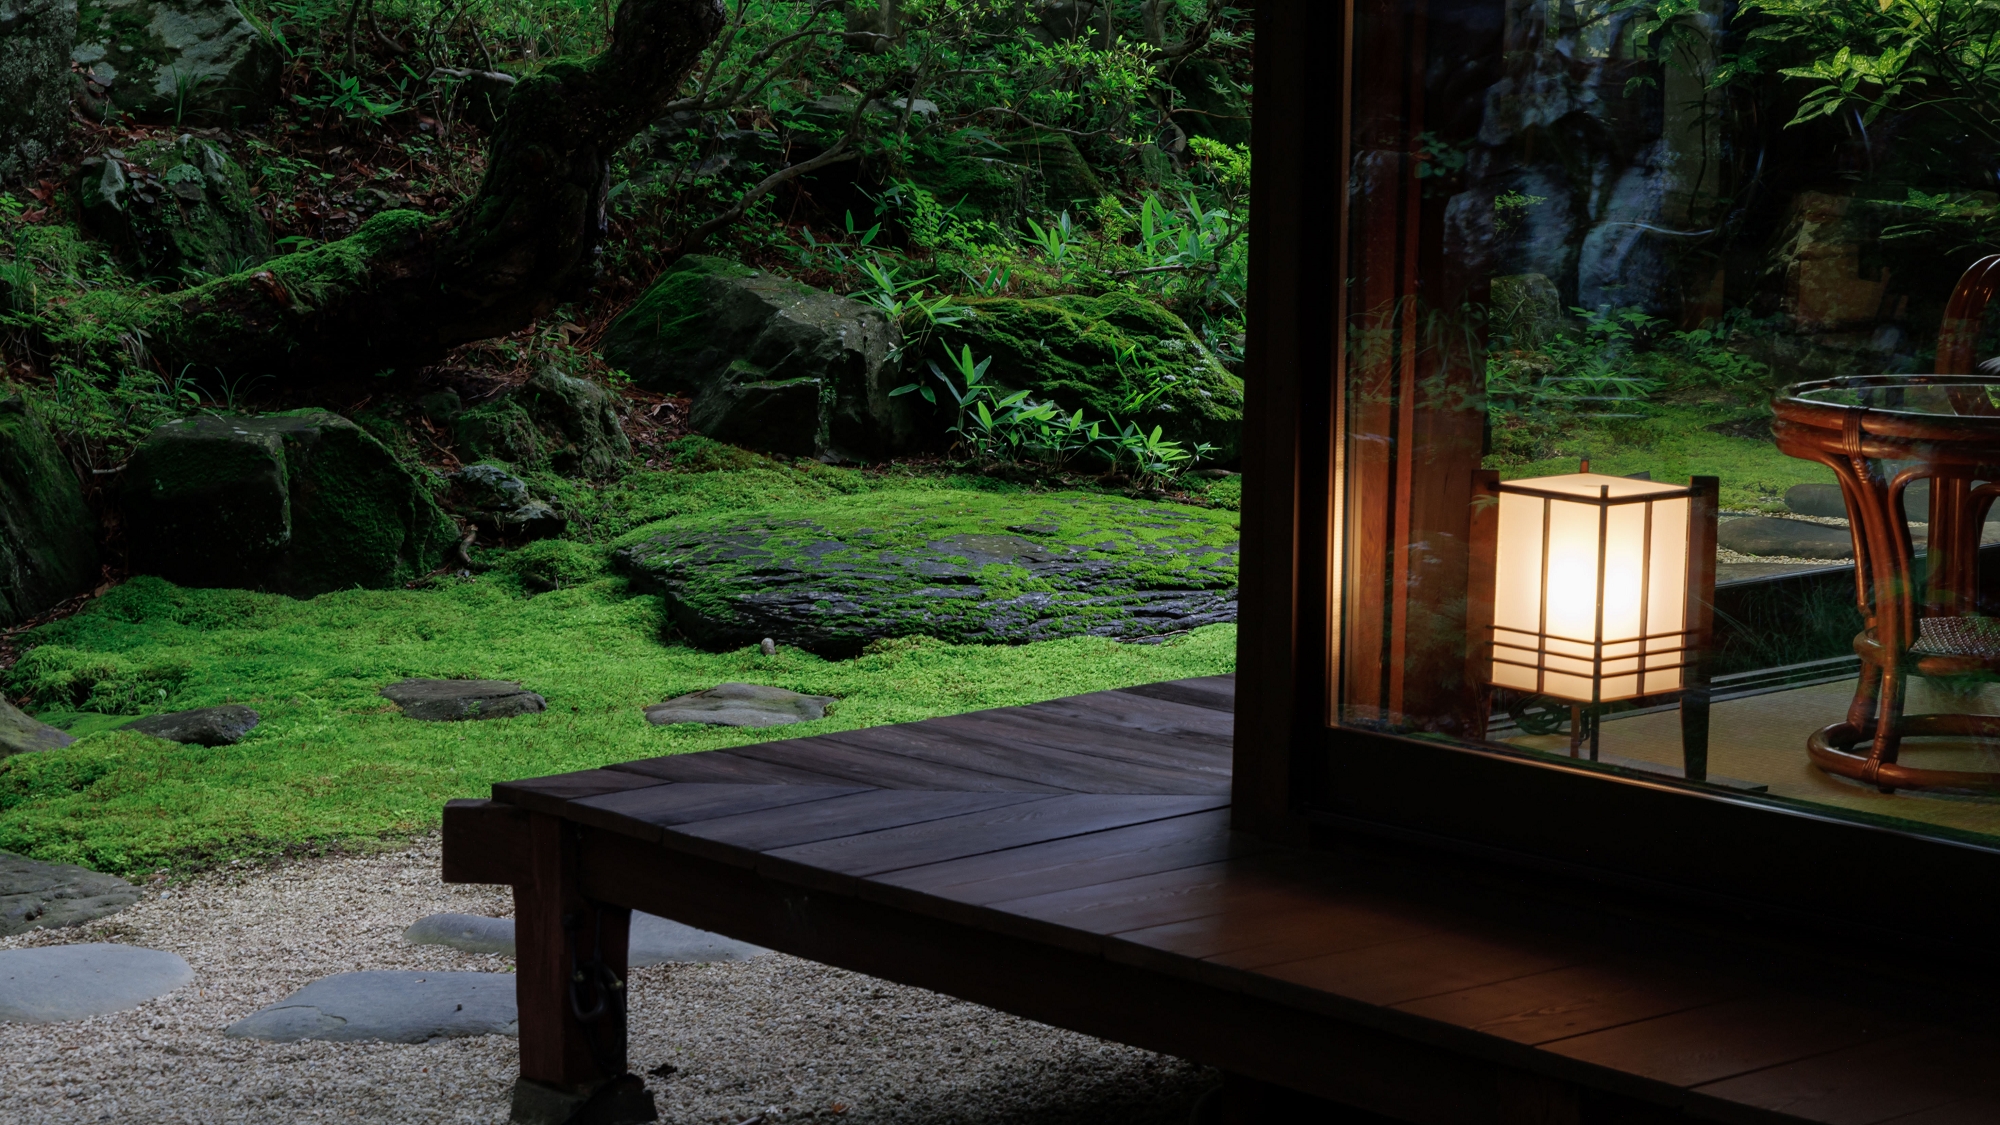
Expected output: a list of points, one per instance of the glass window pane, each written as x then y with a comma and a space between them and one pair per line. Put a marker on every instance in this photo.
1665, 347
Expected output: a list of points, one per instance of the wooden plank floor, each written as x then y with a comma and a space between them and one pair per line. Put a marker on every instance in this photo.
1071, 861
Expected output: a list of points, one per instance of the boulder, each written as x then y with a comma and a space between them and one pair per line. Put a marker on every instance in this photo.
444, 701
1100, 355
21, 733
175, 208
498, 501
298, 503
579, 421
965, 567
184, 62
395, 1006
770, 363
1783, 538
740, 705
35, 41
553, 420
36, 895
59, 983
204, 726
48, 536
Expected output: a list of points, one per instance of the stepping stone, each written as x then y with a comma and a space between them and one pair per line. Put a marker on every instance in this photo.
397, 1006
204, 726
655, 940
454, 700
36, 895
1768, 535
58, 983
21, 733
1824, 500
740, 705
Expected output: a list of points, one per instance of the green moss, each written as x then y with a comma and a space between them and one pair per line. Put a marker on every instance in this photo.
1675, 442
1100, 354
674, 315
174, 208
973, 567
555, 564
332, 761
360, 517
108, 683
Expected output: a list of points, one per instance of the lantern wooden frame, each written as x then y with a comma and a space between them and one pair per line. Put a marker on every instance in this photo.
1494, 645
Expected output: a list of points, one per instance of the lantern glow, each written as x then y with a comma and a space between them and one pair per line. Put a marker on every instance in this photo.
1590, 595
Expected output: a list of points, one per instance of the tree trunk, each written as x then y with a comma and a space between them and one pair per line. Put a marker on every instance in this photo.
405, 288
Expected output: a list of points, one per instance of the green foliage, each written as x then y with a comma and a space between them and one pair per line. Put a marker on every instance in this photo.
995, 424
1904, 56
110, 683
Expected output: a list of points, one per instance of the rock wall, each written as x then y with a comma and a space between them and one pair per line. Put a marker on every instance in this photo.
48, 536
182, 62
35, 40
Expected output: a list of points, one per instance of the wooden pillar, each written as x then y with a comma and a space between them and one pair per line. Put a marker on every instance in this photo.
1702, 508
569, 958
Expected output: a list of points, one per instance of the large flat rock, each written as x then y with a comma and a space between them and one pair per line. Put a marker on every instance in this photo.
962, 566
655, 940
58, 983
398, 1006
36, 895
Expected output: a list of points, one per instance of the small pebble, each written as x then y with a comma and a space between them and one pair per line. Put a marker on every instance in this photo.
769, 646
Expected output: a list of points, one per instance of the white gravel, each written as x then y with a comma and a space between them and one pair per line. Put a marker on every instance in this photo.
776, 1037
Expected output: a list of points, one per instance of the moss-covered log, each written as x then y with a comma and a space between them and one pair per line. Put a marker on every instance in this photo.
405, 288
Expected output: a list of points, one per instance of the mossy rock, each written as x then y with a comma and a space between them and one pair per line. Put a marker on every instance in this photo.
1059, 170
173, 208
553, 421
771, 363
967, 567
183, 62
48, 537
1098, 354
35, 38
298, 503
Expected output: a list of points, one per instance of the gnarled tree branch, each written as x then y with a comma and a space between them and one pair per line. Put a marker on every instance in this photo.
405, 288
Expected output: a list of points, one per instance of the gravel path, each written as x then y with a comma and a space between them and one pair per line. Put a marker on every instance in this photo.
778, 1037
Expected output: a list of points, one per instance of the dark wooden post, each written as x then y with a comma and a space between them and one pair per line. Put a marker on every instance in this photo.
1701, 626
1481, 545
569, 955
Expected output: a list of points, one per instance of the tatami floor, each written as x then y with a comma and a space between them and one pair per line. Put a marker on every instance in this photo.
1762, 739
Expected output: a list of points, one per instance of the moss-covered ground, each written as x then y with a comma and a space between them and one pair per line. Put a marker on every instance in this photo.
1676, 442
333, 763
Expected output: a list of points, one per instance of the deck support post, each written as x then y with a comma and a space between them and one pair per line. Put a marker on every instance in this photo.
570, 987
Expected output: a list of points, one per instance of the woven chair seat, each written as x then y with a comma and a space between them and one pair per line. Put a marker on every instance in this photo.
1974, 637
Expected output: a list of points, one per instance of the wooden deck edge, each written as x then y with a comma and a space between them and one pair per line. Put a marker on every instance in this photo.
1374, 1058
485, 842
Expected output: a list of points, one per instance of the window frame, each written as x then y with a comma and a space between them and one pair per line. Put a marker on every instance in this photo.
1301, 777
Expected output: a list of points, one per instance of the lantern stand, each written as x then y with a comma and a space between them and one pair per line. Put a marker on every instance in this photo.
1537, 619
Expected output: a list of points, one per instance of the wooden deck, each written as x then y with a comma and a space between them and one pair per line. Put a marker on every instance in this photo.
1072, 862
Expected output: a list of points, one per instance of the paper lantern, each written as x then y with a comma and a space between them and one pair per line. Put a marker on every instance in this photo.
1590, 587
